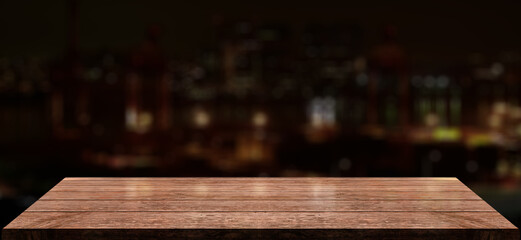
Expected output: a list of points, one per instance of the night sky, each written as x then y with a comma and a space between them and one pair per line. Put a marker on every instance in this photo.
433, 33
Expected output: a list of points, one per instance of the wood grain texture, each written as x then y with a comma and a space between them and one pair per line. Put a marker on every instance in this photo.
260, 208
262, 220
253, 188
258, 195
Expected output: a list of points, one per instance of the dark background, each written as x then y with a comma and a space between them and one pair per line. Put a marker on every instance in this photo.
260, 88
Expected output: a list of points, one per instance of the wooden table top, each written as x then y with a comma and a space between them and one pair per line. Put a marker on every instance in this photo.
260, 208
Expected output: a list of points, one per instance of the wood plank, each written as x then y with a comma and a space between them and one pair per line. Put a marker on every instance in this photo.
264, 206
263, 181
260, 208
253, 188
259, 196
260, 220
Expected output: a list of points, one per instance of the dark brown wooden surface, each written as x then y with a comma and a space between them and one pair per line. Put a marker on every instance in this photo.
260, 208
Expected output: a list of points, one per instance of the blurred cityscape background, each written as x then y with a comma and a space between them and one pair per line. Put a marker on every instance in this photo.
260, 88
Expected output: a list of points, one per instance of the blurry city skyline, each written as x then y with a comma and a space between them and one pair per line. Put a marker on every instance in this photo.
260, 88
